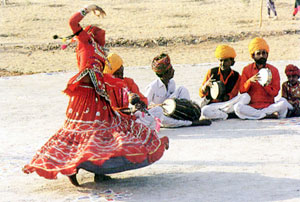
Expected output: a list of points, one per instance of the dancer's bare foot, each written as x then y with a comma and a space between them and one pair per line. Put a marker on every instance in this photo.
73, 180
100, 177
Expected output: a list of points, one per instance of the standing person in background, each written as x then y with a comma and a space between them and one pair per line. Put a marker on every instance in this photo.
296, 8
291, 90
271, 6
95, 137
222, 106
258, 100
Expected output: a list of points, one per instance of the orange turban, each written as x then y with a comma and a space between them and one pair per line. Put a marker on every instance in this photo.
115, 61
161, 63
258, 44
291, 70
224, 51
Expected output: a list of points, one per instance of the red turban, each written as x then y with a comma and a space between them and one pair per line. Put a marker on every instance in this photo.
161, 63
291, 70
97, 33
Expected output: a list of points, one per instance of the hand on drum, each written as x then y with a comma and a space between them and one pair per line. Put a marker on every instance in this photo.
254, 78
207, 84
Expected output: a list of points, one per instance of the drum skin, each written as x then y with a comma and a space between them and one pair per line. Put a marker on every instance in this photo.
265, 75
181, 109
217, 90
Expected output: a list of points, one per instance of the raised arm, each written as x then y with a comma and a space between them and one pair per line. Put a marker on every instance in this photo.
78, 16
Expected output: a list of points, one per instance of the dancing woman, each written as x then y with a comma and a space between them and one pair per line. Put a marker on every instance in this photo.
95, 137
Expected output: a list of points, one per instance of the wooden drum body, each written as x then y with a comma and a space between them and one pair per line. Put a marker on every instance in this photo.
181, 109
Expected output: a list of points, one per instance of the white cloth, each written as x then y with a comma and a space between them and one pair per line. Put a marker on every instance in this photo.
219, 110
245, 111
157, 93
147, 120
166, 121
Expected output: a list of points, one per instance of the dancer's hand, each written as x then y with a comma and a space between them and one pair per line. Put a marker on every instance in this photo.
98, 11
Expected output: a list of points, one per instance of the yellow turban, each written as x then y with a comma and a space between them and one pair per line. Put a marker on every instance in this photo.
115, 61
258, 44
224, 51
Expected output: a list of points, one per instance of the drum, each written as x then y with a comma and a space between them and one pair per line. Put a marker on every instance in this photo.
265, 75
217, 90
181, 109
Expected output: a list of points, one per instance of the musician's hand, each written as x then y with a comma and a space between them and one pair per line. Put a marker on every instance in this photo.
140, 106
208, 84
255, 78
133, 98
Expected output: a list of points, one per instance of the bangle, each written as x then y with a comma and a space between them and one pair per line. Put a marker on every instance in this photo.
83, 11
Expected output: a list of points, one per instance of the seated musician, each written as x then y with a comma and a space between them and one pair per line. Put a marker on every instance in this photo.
291, 90
163, 88
132, 96
228, 82
258, 100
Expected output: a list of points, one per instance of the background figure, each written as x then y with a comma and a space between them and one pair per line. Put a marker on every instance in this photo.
164, 87
296, 8
229, 80
260, 97
132, 92
291, 90
271, 6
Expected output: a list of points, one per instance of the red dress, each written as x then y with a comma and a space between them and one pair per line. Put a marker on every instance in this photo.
94, 136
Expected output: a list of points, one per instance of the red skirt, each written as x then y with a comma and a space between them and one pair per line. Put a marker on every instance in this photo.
96, 138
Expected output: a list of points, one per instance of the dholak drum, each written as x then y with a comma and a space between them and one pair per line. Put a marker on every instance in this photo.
217, 90
265, 75
181, 109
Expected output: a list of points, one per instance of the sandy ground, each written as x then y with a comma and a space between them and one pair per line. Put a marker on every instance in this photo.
232, 160
189, 30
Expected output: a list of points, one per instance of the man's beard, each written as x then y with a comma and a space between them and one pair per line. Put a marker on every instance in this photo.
261, 61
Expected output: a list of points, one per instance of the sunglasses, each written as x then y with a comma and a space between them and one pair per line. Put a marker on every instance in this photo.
261, 53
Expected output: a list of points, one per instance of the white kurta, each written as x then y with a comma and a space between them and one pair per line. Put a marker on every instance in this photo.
157, 93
